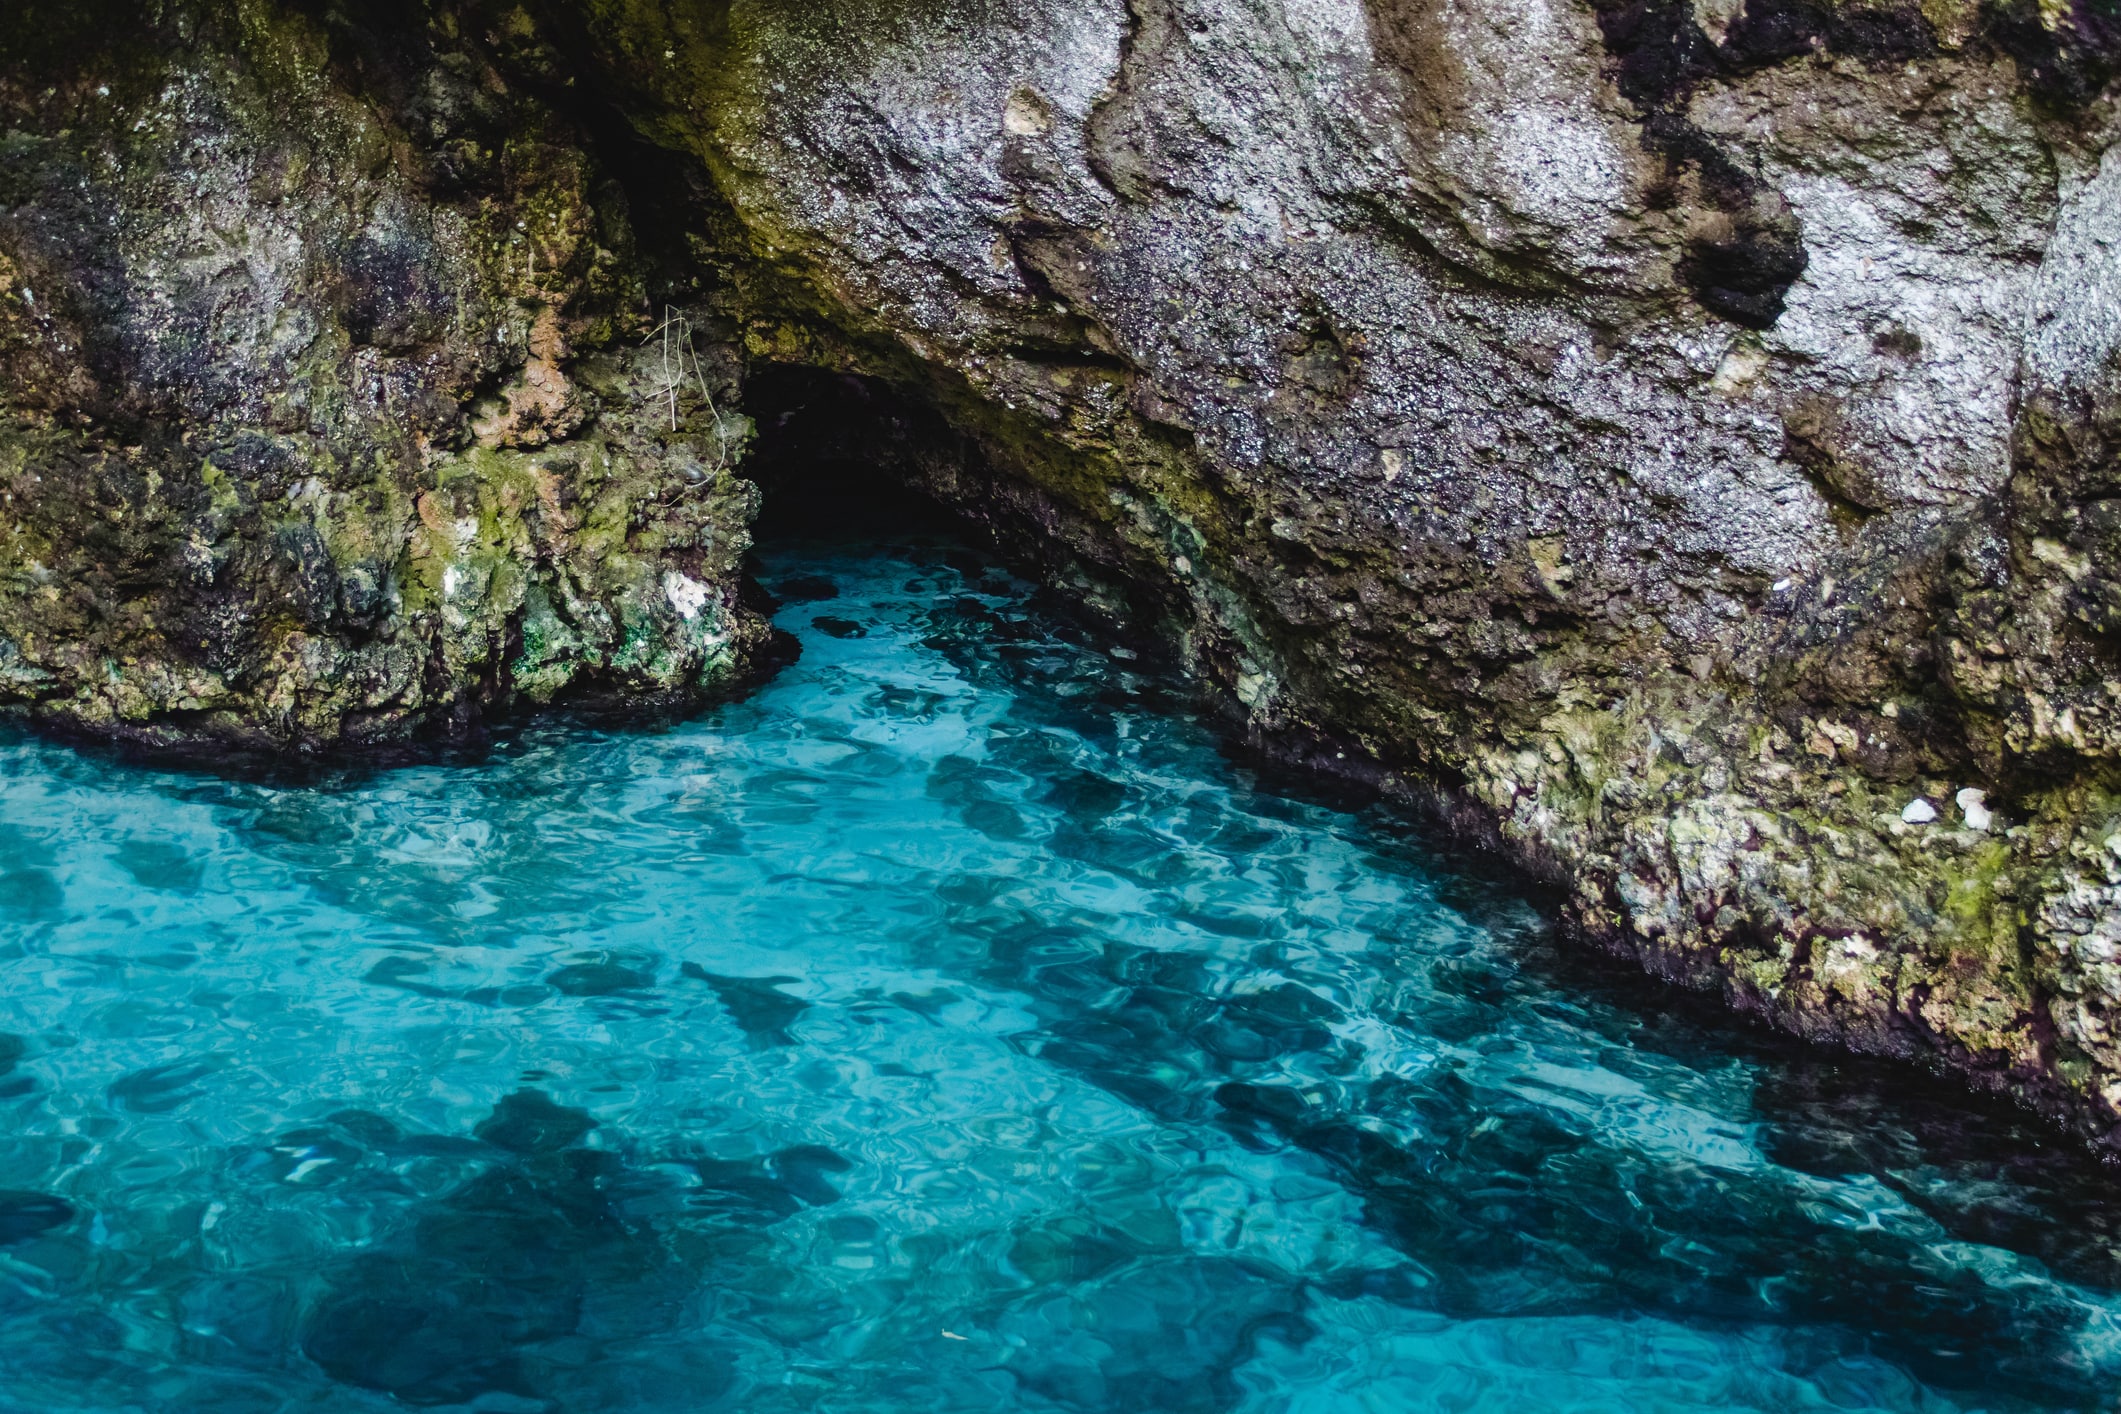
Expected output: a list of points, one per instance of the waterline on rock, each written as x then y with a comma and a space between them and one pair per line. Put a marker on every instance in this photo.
948, 1026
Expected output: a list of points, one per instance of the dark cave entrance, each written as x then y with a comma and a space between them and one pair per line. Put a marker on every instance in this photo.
839, 456
853, 459
862, 462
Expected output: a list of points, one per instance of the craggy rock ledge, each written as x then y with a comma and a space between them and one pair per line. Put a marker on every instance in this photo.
335, 410
1683, 433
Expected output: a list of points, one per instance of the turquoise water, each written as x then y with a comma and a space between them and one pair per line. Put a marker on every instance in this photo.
947, 1027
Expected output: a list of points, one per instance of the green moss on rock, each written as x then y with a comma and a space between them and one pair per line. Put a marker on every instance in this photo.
292, 443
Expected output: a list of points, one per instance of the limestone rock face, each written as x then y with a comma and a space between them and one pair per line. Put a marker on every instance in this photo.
1681, 431
1679, 436
325, 413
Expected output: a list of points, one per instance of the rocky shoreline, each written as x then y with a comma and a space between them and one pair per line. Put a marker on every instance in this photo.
1678, 438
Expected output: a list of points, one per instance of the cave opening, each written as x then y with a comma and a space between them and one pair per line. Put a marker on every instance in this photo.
845, 457
839, 456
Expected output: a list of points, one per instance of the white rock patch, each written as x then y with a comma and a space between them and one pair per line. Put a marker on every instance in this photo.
1973, 804
686, 595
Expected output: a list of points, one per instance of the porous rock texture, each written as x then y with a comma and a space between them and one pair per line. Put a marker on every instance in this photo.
1679, 431
1679, 436
333, 410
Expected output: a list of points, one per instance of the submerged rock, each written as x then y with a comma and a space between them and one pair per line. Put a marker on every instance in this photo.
1672, 437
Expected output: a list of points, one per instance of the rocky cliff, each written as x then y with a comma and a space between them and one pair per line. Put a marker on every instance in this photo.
1679, 437
334, 407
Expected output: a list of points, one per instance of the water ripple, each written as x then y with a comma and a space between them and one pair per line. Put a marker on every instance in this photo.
948, 1027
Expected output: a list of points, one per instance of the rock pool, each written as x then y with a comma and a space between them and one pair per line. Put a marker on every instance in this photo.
948, 1026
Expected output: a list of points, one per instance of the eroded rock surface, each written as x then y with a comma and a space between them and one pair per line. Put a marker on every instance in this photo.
1682, 429
325, 415
1682, 435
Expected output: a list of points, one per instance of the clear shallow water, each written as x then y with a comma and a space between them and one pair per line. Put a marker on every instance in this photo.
947, 1027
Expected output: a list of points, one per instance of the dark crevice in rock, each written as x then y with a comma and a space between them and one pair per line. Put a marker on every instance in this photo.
1772, 31
2066, 53
1658, 51
1744, 267
1661, 52
1742, 264
2066, 57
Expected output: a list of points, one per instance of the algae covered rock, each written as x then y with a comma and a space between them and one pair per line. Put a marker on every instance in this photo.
1671, 438
334, 408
